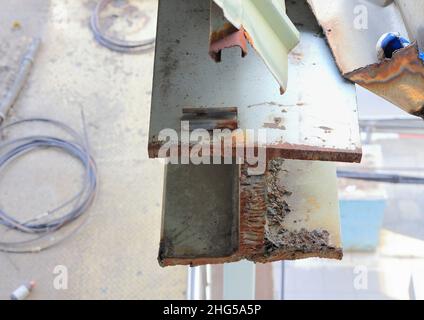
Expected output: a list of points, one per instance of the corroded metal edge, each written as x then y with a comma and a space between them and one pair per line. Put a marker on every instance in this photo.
284, 150
252, 213
283, 254
280, 242
399, 80
195, 261
278, 255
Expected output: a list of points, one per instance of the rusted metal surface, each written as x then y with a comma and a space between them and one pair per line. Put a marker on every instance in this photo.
224, 35
399, 80
308, 122
286, 213
353, 27
252, 213
210, 118
285, 150
210, 111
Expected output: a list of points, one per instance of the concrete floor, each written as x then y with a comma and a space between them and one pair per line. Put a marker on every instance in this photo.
114, 254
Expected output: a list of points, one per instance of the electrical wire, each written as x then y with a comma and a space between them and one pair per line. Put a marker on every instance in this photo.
111, 42
42, 226
379, 177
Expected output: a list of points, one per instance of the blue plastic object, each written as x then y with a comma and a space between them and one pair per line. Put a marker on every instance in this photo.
361, 222
391, 42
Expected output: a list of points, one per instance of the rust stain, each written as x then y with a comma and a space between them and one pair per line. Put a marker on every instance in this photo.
227, 36
211, 118
278, 255
399, 80
249, 38
226, 30
282, 150
252, 213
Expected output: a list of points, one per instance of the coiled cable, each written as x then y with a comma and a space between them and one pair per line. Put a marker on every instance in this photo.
111, 42
45, 224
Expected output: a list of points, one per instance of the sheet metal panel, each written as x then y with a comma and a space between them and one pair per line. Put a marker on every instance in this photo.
316, 119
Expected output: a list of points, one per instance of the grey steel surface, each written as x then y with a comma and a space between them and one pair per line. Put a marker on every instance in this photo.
200, 216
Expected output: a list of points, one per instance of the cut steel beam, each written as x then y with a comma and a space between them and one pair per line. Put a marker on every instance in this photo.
309, 122
353, 28
219, 213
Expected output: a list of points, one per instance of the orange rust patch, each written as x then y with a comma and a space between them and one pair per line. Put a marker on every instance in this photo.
249, 38
399, 80
226, 37
225, 31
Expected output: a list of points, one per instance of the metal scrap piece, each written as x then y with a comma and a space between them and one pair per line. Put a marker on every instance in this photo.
399, 80
353, 27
